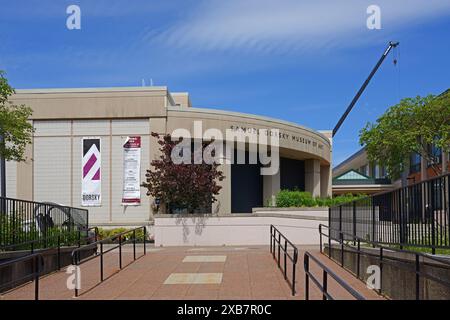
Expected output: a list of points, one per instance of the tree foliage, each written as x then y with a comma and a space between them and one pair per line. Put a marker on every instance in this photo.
191, 186
14, 126
411, 126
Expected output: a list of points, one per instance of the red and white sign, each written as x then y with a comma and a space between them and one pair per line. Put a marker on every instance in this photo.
132, 172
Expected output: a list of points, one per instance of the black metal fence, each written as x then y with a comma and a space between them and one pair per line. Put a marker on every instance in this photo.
122, 238
326, 272
37, 266
280, 245
414, 216
24, 222
420, 264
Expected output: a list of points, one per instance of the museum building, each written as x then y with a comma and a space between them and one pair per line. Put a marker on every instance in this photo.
91, 148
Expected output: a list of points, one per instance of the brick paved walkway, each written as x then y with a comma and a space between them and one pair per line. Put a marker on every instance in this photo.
189, 273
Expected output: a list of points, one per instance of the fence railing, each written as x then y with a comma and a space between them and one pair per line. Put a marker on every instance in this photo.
280, 242
414, 216
24, 221
56, 241
76, 257
37, 267
351, 243
326, 272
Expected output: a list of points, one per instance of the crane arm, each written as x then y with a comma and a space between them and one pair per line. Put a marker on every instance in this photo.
363, 87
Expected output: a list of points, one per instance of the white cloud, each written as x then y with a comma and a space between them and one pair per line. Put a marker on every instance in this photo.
284, 25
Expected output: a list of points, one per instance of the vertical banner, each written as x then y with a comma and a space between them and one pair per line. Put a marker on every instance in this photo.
91, 179
132, 172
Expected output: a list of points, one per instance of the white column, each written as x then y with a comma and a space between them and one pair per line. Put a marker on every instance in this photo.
325, 181
271, 186
312, 177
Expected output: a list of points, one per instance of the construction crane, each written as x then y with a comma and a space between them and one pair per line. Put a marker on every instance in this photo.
391, 45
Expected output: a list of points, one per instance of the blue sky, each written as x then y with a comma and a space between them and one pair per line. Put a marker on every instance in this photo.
301, 61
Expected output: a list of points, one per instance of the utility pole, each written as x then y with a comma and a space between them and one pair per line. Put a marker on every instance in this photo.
363, 87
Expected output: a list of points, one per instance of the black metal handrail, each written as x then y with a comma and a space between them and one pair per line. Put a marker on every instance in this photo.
415, 215
38, 263
59, 244
325, 273
276, 237
387, 260
23, 220
77, 261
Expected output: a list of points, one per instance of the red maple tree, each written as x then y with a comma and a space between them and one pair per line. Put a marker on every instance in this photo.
189, 186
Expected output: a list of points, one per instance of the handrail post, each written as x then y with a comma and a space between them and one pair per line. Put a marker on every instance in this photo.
354, 222
101, 261
134, 244
325, 285
271, 226
272, 241
59, 252
79, 238
342, 248
145, 236
279, 245
36, 277
358, 259
120, 251
320, 238
285, 253
381, 269
75, 262
417, 277
293, 270
329, 242
306, 265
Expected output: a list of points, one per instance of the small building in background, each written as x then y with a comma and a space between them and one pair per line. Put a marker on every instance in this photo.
357, 175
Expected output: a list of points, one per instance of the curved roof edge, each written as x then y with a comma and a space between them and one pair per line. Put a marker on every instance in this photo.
250, 116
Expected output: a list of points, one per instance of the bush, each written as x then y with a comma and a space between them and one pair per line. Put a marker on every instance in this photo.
296, 198
108, 233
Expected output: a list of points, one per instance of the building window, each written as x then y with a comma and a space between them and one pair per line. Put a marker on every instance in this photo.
383, 172
414, 163
436, 154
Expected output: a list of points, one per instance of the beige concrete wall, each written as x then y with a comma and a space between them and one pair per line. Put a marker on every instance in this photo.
11, 179
24, 175
236, 230
94, 103
307, 142
57, 165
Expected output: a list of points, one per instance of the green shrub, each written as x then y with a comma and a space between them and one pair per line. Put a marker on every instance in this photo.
108, 233
296, 198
